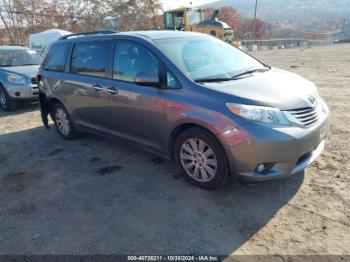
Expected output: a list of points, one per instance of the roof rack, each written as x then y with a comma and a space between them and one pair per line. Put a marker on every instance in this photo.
99, 32
15, 45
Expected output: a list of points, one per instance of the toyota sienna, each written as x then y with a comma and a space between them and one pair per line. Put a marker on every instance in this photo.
217, 111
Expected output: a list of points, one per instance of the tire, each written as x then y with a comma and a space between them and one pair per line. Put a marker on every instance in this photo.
202, 158
63, 122
6, 103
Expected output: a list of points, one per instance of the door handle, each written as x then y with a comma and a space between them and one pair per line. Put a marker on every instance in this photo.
97, 87
112, 91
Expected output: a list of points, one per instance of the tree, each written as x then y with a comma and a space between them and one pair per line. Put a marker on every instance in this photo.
136, 14
246, 27
23, 17
12, 20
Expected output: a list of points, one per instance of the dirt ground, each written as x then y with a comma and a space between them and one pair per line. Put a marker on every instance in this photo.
95, 196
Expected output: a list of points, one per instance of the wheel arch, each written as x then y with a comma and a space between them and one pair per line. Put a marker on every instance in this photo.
182, 128
185, 126
2, 85
47, 103
53, 101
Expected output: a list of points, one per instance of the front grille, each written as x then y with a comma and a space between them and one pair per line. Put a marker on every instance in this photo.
307, 115
35, 88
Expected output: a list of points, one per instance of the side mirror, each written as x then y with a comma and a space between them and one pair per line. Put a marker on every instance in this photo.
147, 78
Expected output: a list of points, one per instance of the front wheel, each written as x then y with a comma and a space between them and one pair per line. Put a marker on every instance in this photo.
6, 103
202, 158
63, 122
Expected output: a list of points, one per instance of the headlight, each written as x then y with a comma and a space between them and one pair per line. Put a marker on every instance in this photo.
262, 114
16, 79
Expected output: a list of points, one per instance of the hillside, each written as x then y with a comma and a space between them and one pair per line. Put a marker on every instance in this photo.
277, 10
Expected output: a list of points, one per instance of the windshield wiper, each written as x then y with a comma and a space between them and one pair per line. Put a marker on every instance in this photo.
27, 64
222, 79
251, 71
215, 79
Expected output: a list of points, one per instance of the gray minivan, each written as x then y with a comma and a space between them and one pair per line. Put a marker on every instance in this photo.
217, 111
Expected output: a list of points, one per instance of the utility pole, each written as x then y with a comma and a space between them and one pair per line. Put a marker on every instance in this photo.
254, 30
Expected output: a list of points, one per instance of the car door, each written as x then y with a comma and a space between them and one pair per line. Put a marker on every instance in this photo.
52, 70
86, 81
135, 111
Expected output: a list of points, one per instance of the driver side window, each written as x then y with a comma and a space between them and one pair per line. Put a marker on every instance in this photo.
130, 59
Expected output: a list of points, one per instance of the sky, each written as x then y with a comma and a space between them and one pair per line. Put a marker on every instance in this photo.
177, 3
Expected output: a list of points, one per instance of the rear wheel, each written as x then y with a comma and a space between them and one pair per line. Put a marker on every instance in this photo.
202, 158
63, 122
6, 103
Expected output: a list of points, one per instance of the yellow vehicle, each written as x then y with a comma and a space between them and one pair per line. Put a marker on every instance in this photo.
192, 19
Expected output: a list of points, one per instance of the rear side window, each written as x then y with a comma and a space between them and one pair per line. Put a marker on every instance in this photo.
90, 58
55, 59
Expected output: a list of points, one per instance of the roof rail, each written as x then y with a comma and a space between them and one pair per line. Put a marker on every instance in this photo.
98, 32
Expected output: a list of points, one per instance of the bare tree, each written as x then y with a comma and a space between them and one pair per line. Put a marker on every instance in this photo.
19, 18
11, 18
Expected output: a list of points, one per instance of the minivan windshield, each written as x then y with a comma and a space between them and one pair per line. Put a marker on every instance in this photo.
21, 57
208, 58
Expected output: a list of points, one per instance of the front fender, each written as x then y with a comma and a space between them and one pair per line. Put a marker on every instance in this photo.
223, 127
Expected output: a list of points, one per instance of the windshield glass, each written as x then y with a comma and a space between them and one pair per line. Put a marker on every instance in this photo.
194, 17
207, 57
179, 20
19, 57
169, 20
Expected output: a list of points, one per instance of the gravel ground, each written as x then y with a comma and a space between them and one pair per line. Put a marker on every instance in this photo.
95, 196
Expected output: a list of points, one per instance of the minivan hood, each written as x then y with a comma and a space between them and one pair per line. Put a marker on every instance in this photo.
28, 71
276, 88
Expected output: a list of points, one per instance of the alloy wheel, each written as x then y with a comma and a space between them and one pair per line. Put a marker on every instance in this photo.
3, 99
62, 121
198, 160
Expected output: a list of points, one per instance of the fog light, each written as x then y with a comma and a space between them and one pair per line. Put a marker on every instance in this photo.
260, 168
264, 168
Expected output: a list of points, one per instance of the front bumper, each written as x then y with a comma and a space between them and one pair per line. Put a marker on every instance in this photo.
23, 92
281, 170
286, 150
